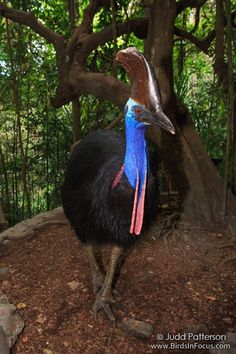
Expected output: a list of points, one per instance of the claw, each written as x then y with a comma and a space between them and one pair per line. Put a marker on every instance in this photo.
106, 304
117, 294
120, 306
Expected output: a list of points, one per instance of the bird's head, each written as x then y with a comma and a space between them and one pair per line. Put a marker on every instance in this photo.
144, 105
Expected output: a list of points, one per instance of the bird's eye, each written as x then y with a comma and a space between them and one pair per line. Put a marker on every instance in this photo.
138, 111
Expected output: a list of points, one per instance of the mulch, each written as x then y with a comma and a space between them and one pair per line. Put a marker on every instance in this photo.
176, 284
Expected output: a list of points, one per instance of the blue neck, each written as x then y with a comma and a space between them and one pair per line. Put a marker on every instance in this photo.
135, 155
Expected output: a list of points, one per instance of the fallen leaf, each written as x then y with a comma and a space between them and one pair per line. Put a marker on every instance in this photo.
228, 320
215, 234
211, 298
73, 284
21, 305
47, 351
41, 319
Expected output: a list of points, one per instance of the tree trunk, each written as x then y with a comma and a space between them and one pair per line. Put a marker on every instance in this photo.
231, 99
76, 102
76, 120
220, 66
3, 221
184, 155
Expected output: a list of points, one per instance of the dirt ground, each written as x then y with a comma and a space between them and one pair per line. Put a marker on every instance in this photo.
179, 284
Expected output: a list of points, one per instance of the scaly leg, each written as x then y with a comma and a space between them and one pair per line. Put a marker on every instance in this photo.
97, 273
104, 298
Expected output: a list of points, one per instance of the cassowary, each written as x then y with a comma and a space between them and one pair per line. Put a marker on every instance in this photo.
110, 190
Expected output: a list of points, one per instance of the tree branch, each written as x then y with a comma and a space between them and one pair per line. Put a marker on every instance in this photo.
97, 84
106, 88
85, 27
197, 19
183, 4
138, 27
202, 44
29, 19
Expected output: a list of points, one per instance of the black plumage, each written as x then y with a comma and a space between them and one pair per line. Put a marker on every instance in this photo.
97, 211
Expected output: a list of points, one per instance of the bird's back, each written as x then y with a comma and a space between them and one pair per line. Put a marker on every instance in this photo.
90, 154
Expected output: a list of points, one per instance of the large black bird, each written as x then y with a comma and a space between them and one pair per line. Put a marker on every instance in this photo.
110, 190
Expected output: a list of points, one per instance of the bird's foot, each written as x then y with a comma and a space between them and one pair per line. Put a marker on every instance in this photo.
116, 294
106, 303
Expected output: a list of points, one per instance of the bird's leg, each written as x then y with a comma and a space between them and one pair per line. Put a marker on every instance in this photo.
104, 298
107, 284
97, 273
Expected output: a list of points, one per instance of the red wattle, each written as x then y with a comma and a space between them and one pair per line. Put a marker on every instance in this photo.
138, 208
132, 226
118, 177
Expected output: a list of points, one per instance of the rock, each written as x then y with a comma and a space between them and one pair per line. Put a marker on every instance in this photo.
3, 298
4, 270
230, 341
196, 329
4, 348
10, 321
6, 285
136, 328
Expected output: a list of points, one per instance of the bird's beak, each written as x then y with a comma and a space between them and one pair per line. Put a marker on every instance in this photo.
159, 119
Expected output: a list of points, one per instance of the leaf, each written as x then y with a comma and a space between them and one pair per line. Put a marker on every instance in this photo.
215, 234
41, 319
73, 285
21, 305
47, 351
211, 298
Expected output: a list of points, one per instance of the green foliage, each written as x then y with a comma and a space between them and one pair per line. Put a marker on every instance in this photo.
46, 132
196, 84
